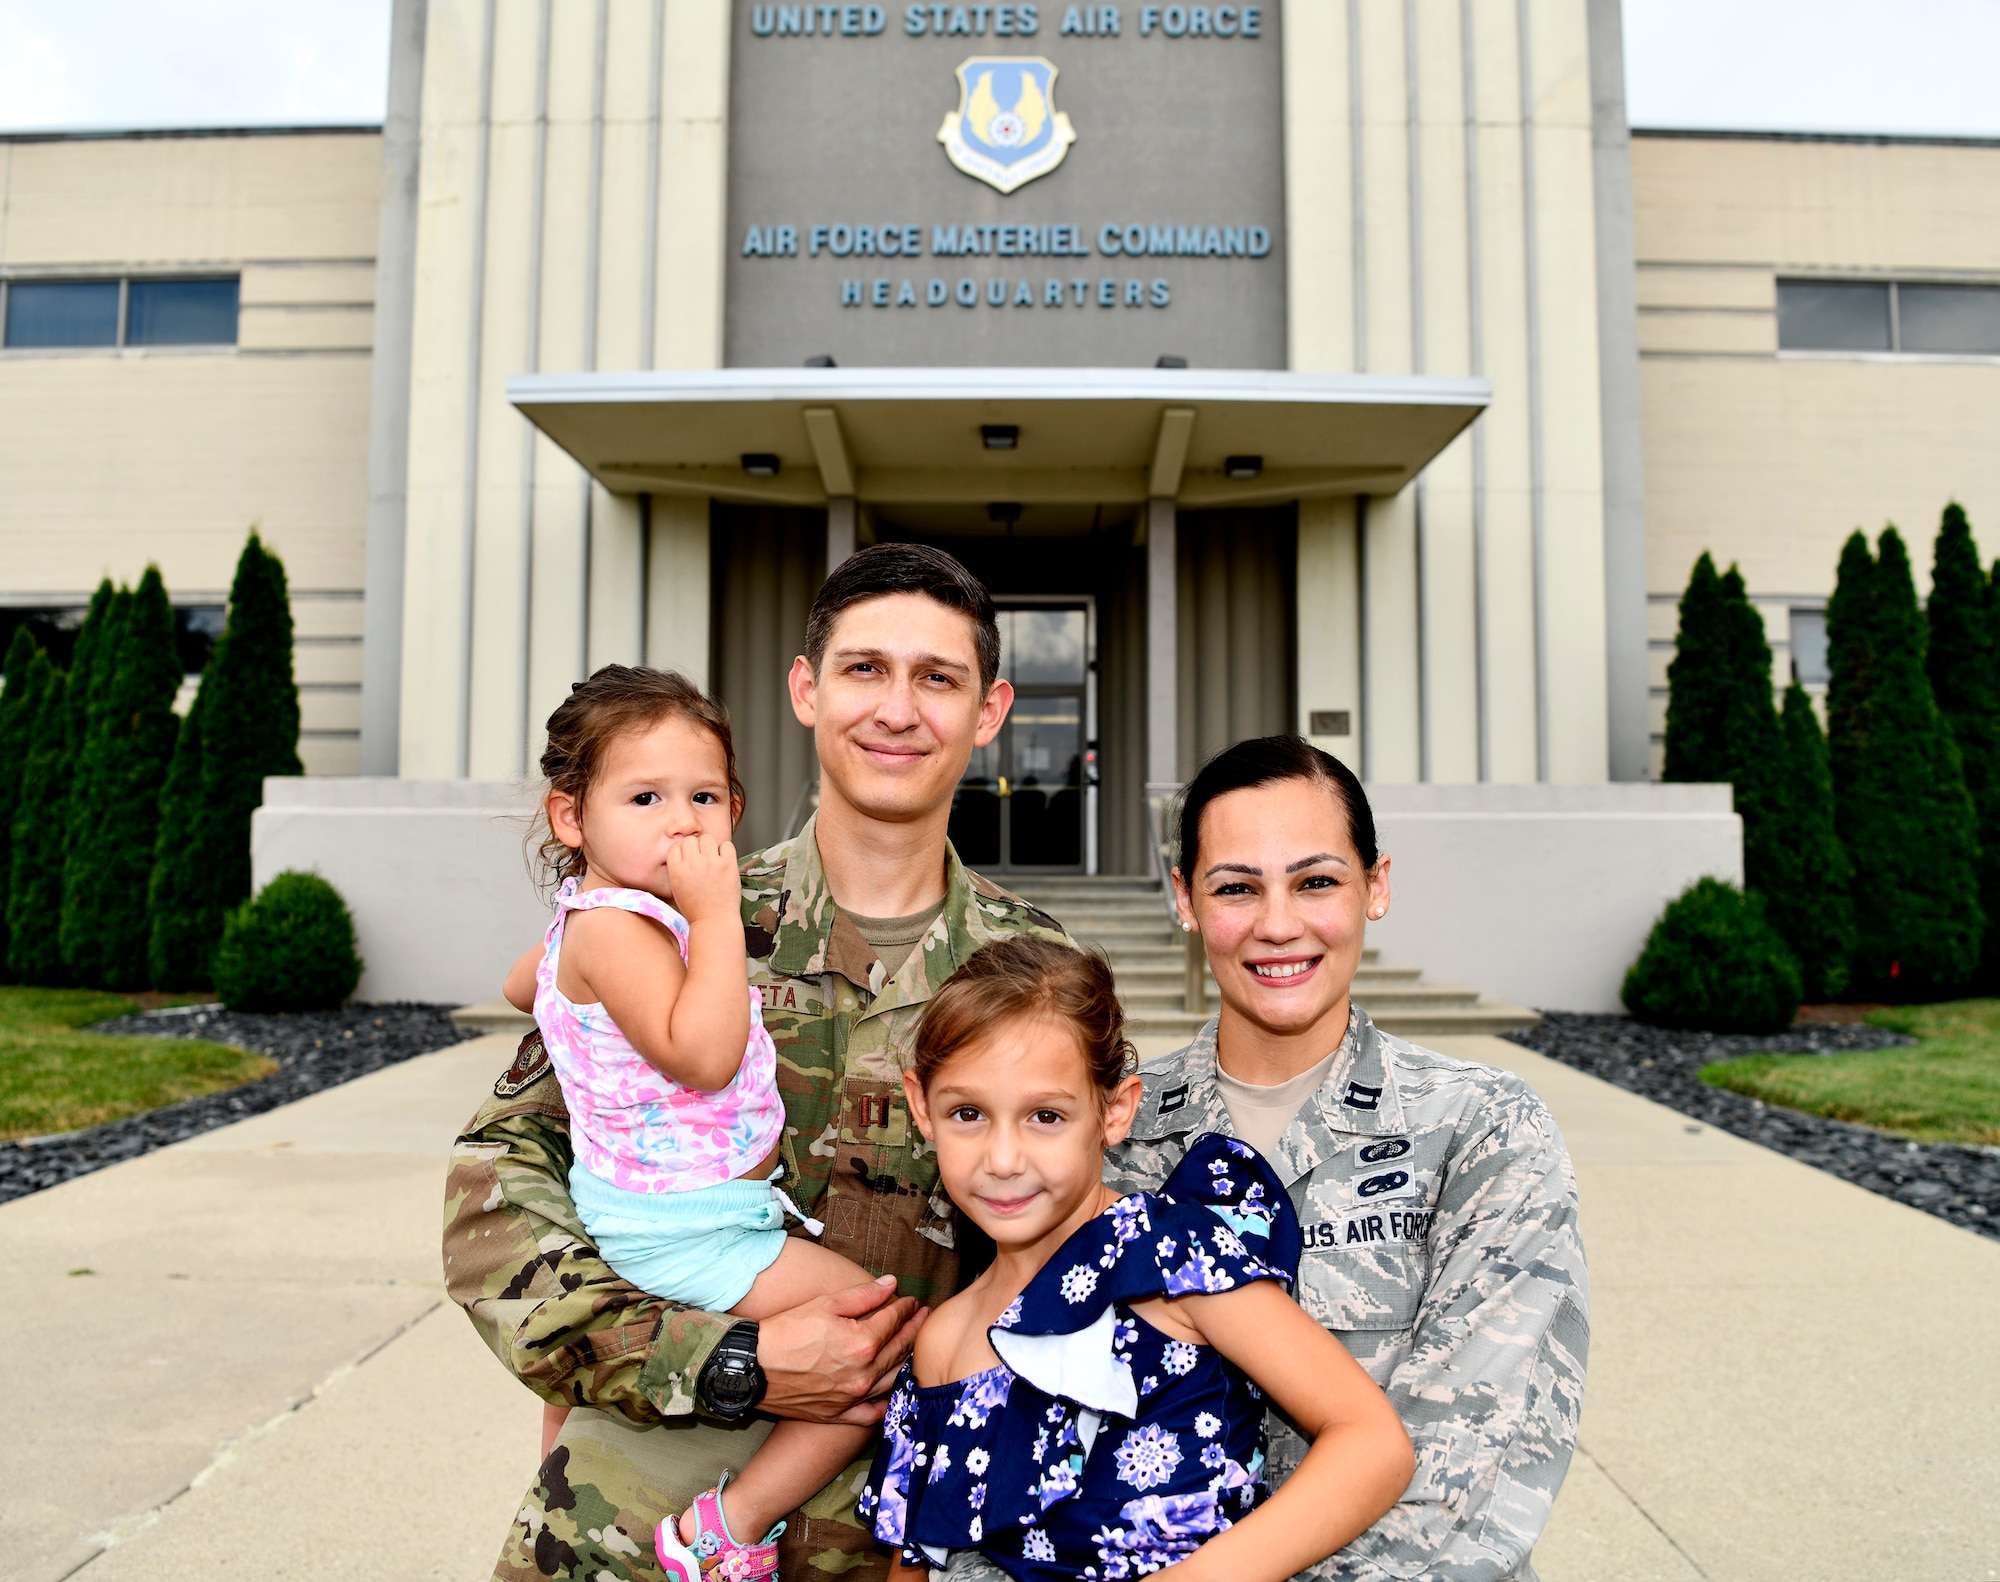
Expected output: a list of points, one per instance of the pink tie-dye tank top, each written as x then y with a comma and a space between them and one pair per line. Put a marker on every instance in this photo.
631, 1125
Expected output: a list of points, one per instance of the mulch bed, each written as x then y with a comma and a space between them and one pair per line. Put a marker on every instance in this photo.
1953, 1182
313, 1049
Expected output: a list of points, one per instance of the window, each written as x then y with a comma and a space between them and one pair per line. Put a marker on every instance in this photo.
1809, 647
62, 313
1833, 316
1949, 318
135, 312
1888, 316
197, 628
181, 313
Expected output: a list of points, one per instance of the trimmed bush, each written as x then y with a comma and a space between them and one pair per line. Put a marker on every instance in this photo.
1900, 802
34, 885
115, 812
249, 711
1698, 684
1960, 663
289, 949
1713, 962
18, 701
180, 943
1807, 899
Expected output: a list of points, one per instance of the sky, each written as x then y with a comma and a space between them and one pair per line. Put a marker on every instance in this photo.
1912, 66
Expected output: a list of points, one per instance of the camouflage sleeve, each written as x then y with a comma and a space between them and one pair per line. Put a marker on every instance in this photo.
1492, 1388
546, 1304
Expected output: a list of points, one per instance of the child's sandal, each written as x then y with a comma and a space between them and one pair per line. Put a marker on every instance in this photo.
715, 1555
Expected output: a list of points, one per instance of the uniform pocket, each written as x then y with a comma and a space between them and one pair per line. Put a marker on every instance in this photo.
1364, 1288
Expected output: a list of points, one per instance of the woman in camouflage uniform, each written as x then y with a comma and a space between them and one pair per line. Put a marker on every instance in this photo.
1436, 1197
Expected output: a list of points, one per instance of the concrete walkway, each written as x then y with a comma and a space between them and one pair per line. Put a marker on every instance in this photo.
259, 1378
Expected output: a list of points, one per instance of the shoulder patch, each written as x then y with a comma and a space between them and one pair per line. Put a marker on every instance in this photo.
531, 1064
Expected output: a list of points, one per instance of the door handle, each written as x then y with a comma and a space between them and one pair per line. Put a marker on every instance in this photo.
1004, 789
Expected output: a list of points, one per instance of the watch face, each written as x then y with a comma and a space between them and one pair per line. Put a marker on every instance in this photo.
734, 1384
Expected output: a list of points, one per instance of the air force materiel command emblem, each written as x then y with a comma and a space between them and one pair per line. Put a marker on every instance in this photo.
1006, 130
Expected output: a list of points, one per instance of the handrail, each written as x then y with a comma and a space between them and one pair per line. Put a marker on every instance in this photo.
1162, 803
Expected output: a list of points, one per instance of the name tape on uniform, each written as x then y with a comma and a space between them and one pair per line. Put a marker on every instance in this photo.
1366, 1227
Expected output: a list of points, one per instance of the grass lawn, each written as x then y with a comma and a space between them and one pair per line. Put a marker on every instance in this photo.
1945, 1090
54, 1078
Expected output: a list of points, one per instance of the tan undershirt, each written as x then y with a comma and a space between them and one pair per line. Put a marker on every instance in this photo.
893, 938
1261, 1115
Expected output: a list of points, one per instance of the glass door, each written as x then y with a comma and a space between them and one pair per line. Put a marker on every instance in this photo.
1021, 803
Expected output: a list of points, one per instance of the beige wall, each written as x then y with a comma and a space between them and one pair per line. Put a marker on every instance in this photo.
113, 458
538, 212
1771, 459
1400, 298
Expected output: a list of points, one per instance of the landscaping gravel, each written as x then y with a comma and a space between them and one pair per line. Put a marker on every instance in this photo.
1955, 1183
313, 1049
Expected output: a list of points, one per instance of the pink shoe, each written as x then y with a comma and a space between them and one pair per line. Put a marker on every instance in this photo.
715, 1554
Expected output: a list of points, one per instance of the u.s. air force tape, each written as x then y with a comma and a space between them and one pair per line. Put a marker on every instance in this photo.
1390, 1224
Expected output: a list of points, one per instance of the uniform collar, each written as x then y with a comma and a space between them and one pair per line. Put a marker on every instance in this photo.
1358, 1097
815, 937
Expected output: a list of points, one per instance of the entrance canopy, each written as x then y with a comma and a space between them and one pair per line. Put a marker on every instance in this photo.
907, 436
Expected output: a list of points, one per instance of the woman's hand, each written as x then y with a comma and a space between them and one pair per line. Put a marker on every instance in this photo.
1360, 1462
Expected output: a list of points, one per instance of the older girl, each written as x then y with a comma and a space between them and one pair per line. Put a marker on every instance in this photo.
1092, 1404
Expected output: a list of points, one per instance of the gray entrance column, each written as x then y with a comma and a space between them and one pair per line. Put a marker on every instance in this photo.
1162, 647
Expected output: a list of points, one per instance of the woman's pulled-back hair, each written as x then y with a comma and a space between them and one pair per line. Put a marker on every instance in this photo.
1024, 977
1266, 760
616, 701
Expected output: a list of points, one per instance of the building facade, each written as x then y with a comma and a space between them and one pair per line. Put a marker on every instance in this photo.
1339, 366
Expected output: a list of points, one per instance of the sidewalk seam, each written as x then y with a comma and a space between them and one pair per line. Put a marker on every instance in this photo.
131, 1526
1672, 1541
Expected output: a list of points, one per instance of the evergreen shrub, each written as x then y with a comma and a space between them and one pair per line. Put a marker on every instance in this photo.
248, 709
1807, 896
115, 801
291, 948
1713, 962
1900, 802
39, 836
17, 723
1960, 662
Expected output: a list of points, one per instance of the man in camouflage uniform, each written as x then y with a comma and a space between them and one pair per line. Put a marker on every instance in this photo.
1441, 1246
554, 1312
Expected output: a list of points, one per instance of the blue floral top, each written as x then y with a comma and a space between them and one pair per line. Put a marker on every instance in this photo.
1099, 1448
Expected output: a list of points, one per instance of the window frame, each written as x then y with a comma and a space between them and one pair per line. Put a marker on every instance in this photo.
121, 342
1895, 283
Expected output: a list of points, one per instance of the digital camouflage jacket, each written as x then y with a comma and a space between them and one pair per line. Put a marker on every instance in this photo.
515, 1256
1441, 1247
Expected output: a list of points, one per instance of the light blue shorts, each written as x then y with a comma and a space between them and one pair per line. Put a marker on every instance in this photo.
704, 1247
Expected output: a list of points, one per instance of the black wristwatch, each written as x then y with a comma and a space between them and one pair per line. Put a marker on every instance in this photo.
731, 1383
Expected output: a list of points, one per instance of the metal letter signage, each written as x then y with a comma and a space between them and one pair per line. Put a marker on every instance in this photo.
1006, 130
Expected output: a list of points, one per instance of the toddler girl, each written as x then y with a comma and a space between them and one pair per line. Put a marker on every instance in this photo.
1092, 1406
644, 1004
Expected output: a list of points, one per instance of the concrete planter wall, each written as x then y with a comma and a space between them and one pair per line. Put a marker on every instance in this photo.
1537, 894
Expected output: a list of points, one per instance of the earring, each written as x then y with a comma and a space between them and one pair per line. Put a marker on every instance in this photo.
1187, 928
1375, 914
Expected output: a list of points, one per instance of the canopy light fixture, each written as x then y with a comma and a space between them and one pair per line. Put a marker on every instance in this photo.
1169, 360
1007, 511
1243, 466
760, 464
999, 436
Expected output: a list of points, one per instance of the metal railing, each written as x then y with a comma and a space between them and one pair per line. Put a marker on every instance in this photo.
1162, 806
